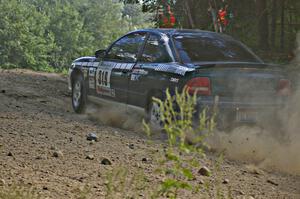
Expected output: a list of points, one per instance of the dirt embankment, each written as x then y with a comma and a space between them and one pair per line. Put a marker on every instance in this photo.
43, 145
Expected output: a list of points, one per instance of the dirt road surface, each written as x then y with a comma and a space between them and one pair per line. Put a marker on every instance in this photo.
37, 123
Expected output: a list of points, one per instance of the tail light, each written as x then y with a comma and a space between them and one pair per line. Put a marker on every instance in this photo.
284, 87
199, 85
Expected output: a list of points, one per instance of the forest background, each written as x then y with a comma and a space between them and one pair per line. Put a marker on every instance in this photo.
48, 35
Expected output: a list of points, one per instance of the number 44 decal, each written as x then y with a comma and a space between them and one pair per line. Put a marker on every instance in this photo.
103, 78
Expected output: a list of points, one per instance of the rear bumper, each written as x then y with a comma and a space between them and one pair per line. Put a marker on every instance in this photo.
229, 110
230, 103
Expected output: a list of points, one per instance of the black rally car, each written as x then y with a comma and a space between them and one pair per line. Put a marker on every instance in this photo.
144, 63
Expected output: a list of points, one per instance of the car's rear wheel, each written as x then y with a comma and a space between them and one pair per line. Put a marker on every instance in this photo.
79, 99
153, 114
154, 117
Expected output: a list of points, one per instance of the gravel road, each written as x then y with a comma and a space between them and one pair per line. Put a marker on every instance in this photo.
43, 146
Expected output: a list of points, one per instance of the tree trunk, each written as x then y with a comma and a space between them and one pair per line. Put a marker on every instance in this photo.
282, 35
263, 28
273, 24
189, 14
214, 15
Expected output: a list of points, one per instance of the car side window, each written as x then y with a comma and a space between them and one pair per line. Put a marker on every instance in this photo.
126, 49
155, 51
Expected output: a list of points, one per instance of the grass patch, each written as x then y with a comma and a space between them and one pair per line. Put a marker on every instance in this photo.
46, 69
18, 192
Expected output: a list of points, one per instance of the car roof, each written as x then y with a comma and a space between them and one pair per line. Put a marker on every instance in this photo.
174, 31
208, 34
171, 32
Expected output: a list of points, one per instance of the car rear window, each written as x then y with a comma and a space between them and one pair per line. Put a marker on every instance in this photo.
155, 51
194, 48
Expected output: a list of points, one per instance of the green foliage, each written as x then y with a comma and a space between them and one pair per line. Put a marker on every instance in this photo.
66, 28
22, 37
136, 18
185, 142
42, 34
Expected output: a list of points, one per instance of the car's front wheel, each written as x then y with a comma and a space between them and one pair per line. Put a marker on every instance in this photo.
78, 94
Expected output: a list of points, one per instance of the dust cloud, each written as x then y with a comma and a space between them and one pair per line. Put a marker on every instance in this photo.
115, 116
265, 148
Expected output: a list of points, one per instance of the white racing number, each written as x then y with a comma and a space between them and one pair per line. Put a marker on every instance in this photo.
103, 80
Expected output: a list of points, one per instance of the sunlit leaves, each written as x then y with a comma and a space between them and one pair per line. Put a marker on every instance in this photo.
39, 33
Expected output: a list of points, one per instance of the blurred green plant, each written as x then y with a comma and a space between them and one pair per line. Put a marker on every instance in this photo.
18, 192
186, 140
120, 183
179, 162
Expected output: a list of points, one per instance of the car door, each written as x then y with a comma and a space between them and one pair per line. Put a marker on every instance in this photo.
145, 76
112, 74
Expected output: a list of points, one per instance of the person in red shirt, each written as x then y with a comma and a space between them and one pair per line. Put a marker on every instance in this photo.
167, 19
223, 18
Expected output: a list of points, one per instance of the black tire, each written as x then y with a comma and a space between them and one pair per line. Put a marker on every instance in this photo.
153, 117
153, 114
79, 97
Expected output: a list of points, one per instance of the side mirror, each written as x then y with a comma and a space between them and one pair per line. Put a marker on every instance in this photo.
100, 53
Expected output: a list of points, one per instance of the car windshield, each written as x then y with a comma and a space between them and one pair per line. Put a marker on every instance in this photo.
207, 47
